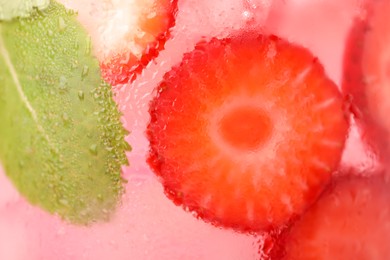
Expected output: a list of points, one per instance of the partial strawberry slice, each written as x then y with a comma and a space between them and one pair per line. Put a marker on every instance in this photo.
145, 27
126, 34
351, 220
148, 24
246, 131
367, 72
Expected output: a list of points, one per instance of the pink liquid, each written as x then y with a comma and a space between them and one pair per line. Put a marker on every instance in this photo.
148, 225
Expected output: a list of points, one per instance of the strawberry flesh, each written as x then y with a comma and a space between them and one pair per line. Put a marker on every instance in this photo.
366, 80
351, 220
144, 37
245, 128
246, 131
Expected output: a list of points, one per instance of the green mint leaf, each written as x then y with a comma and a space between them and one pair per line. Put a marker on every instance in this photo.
61, 141
10, 9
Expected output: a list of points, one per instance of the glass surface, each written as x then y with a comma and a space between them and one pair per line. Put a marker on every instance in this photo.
147, 225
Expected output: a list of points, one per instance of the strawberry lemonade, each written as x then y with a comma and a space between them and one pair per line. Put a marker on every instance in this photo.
194, 129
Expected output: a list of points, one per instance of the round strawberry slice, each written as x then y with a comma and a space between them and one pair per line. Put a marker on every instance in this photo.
351, 220
367, 72
246, 131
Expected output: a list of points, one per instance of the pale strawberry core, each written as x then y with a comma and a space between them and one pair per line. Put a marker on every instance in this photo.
245, 128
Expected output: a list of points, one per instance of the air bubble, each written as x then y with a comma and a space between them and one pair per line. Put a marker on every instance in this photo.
93, 149
74, 64
88, 48
63, 82
65, 118
81, 95
85, 71
61, 24
63, 202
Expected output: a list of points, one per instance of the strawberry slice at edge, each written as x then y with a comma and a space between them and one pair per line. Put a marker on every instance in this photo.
365, 84
349, 221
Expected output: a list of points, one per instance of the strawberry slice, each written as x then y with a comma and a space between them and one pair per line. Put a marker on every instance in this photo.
349, 221
367, 72
246, 131
128, 33
148, 28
